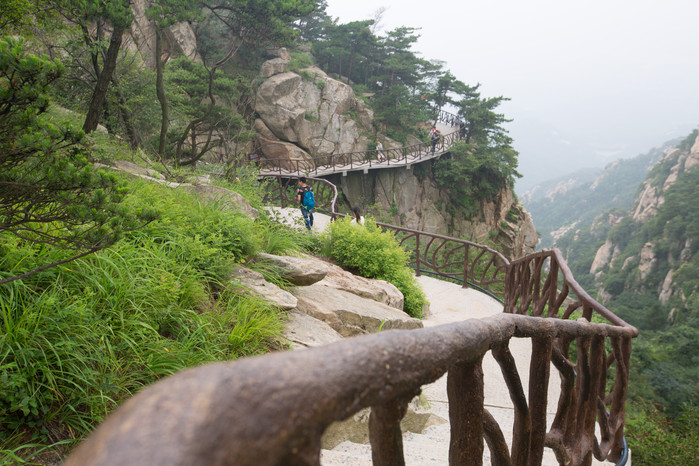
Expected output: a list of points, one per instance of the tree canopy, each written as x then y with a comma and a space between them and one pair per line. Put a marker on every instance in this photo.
49, 191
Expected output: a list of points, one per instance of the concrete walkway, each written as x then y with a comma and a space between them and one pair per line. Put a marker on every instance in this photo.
451, 303
366, 165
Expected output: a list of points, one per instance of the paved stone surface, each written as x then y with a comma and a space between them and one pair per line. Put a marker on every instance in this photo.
451, 303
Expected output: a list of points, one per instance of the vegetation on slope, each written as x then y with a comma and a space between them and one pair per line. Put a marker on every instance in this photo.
664, 376
614, 188
373, 253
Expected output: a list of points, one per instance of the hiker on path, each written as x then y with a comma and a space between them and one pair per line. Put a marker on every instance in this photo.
434, 138
358, 218
379, 151
307, 202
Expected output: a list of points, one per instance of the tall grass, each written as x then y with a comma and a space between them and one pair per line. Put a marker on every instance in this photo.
78, 339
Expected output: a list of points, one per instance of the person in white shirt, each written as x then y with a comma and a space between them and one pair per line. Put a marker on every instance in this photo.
358, 218
379, 152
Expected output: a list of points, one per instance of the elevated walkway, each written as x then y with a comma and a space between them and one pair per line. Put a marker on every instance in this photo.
404, 157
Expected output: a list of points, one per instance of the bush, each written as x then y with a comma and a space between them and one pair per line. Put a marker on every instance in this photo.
655, 439
374, 253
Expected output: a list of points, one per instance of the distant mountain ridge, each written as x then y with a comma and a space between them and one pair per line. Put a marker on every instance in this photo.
576, 199
642, 259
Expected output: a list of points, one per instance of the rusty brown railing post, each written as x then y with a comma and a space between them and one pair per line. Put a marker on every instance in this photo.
417, 255
385, 433
538, 396
466, 413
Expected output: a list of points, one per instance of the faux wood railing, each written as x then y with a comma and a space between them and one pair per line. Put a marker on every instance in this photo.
273, 409
349, 161
469, 263
282, 191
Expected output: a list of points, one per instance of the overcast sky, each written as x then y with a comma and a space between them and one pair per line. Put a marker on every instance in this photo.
589, 81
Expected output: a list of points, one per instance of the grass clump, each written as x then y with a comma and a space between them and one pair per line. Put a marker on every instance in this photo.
373, 253
78, 339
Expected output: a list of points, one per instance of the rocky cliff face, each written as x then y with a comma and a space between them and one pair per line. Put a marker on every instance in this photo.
654, 262
415, 202
309, 115
178, 38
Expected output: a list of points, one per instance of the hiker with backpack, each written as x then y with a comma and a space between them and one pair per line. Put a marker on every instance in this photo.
306, 201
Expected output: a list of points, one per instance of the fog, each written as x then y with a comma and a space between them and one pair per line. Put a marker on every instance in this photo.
589, 82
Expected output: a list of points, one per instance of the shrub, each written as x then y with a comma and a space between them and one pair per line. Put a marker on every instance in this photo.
373, 253
654, 439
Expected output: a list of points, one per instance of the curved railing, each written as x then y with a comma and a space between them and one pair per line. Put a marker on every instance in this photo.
273, 409
334, 163
282, 191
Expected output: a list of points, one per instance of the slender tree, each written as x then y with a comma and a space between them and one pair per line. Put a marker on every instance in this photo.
96, 18
49, 191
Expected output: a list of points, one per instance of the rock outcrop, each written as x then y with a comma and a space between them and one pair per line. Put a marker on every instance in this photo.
317, 114
416, 200
244, 280
179, 37
326, 303
348, 313
299, 271
654, 259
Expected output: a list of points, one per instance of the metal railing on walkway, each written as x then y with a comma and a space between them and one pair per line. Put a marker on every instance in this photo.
365, 160
273, 409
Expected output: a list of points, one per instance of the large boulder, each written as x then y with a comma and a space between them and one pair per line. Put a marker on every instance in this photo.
274, 66
315, 112
245, 280
377, 290
303, 331
284, 154
348, 313
299, 271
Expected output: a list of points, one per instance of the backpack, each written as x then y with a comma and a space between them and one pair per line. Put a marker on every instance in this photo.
309, 201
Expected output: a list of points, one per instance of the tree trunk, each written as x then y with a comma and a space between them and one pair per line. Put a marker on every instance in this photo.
131, 131
100, 93
160, 90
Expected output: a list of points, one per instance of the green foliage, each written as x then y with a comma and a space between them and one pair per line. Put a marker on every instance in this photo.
654, 439
200, 126
299, 61
203, 234
476, 172
15, 15
78, 339
596, 197
306, 75
49, 191
373, 253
